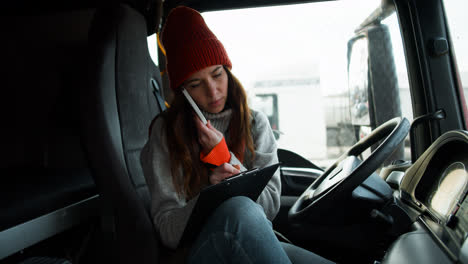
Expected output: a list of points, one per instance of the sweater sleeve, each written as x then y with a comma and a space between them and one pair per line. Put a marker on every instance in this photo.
169, 211
266, 154
218, 155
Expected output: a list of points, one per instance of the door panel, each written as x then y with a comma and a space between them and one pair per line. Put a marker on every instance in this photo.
295, 180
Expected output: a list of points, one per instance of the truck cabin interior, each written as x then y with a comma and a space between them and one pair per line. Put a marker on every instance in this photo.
80, 90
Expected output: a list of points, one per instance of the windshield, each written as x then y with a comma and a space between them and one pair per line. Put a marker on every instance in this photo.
293, 62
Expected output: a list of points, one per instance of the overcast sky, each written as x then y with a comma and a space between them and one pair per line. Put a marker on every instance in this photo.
310, 39
296, 41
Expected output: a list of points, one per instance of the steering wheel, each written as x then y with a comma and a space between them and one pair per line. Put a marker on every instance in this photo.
348, 172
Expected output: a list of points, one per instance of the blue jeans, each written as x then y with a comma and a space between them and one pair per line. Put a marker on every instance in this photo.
239, 232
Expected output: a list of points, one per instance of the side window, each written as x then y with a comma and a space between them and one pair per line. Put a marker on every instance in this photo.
457, 20
268, 104
153, 48
400, 66
295, 69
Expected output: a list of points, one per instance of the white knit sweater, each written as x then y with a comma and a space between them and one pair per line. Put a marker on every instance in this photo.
170, 212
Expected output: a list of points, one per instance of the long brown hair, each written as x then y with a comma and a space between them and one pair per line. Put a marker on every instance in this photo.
189, 174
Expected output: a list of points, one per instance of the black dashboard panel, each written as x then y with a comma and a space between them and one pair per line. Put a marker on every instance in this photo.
444, 175
437, 182
415, 247
436, 185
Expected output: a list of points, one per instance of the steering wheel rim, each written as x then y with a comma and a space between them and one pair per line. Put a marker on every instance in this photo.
348, 172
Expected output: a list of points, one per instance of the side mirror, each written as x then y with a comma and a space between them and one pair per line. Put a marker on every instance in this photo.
373, 91
358, 81
372, 78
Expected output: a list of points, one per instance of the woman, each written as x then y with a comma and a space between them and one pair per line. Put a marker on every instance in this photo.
183, 155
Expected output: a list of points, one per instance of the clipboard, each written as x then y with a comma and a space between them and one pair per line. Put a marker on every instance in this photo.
248, 183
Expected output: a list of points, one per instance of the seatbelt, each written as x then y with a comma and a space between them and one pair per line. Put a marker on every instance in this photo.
157, 94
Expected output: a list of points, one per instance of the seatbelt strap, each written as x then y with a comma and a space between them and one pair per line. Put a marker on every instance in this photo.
157, 94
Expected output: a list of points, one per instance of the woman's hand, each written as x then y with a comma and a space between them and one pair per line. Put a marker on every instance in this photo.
222, 172
208, 136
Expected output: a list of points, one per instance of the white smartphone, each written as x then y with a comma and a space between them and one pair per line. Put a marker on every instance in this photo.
194, 106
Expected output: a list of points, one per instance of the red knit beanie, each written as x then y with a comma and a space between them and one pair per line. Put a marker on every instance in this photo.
190, 45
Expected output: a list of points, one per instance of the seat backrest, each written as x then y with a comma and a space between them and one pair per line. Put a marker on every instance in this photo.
118, 106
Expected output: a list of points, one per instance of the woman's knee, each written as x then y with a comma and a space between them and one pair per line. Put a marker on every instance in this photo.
241, 209
238, 227
239, 206
236, 202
